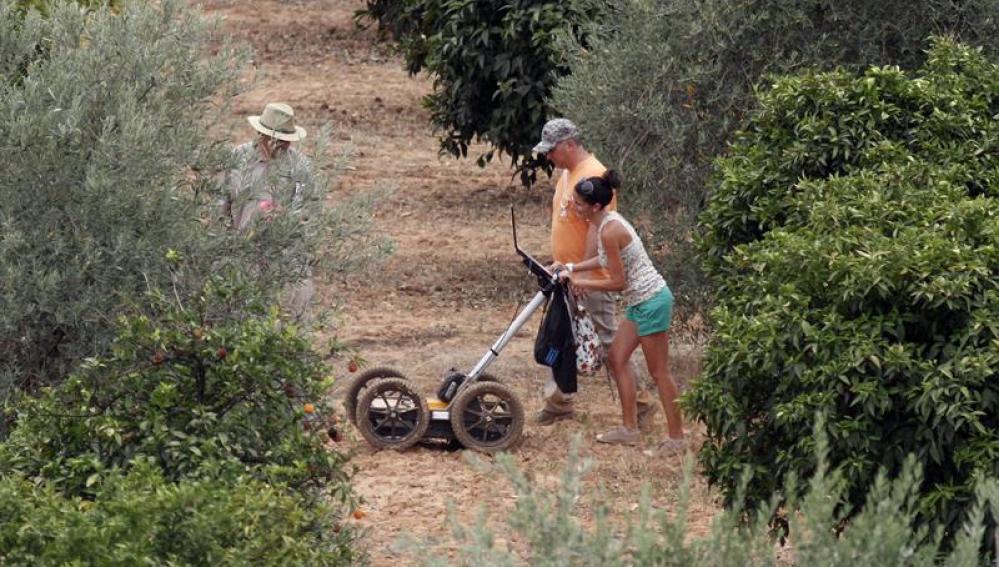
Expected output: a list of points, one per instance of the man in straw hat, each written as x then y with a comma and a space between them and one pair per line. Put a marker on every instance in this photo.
267, 173
276, 131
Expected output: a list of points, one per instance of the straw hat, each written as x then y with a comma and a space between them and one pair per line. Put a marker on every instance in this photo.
278, 121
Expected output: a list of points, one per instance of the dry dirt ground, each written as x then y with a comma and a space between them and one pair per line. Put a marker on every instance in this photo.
450, 288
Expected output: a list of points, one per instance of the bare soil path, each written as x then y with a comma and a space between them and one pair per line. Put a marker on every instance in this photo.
452, 285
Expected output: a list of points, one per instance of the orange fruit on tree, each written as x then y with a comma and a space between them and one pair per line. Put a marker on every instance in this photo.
309, 408
358, 514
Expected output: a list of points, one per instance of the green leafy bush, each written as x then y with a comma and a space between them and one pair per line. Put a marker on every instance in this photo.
191, 386
142, 519
853, 242
660, 93
494, 65
883, 531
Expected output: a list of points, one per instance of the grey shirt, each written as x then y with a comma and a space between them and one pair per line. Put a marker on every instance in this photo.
253, 181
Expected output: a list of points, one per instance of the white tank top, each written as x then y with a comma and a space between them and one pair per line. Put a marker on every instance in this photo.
642, 280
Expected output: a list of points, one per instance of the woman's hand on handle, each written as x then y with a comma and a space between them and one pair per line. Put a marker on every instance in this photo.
574, 285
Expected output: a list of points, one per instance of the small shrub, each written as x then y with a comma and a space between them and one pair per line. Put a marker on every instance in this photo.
853, 242
140, 518
882, 531
191, 386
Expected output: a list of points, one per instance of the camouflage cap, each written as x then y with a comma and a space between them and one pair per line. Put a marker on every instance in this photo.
555, 131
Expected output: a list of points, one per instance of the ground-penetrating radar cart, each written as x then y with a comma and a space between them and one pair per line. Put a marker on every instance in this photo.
475, 409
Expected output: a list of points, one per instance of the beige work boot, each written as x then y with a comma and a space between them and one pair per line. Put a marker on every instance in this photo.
548, 417
621, 435
670, 446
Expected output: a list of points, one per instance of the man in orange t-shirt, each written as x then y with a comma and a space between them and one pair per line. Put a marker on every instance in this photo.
573, 242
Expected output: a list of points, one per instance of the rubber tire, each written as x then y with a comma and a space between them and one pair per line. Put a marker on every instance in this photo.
360, 383
365, 426
460, 404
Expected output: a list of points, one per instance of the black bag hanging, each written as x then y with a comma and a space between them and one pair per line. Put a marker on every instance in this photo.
554, 346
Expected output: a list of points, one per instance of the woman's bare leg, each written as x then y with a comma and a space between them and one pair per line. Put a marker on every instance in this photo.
656, 350
625, 343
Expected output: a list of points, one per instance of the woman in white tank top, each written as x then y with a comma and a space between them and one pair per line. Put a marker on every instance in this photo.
649, 310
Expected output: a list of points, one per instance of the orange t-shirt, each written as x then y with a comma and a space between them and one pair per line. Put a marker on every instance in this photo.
568, 229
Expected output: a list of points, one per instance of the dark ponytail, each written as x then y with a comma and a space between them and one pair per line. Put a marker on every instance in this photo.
613, 179
599, 190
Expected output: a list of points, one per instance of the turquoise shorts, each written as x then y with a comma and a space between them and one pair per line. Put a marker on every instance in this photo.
652, 315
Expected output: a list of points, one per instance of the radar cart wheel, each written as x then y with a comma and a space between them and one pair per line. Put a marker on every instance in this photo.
360, 384
487, 416
391, 414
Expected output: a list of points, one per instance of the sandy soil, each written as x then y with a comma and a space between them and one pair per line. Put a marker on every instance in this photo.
448, 291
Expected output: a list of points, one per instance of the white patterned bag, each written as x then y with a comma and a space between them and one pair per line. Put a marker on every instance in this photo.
589, 349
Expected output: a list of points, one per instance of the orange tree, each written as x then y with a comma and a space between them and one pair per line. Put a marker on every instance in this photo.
494, 65
222, 381
854, 243
205, 405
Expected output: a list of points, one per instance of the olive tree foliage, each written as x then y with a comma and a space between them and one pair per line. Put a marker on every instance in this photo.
110, 181
43, 6
659, 94
493, 63
854, 241
99, 118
